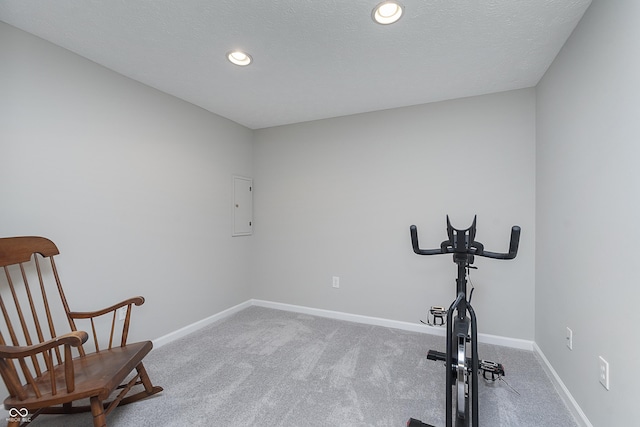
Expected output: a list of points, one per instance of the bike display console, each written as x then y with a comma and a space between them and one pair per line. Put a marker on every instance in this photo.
462, 326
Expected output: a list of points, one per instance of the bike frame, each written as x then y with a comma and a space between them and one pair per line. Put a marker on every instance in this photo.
463, 246
459, 328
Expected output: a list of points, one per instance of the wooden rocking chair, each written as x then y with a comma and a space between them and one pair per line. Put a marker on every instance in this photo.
53, 370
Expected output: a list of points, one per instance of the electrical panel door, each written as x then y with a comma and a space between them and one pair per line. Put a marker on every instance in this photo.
242, 206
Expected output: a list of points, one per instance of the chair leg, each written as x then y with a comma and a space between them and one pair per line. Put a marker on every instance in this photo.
145, 379
149, 388
97, 410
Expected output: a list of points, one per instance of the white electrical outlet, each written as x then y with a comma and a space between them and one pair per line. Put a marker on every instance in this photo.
122, 312
335, 281
604, 372
570, 339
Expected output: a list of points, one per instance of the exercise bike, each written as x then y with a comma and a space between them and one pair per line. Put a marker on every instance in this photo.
462, 369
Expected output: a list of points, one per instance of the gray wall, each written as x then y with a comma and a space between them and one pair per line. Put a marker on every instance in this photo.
336, 198
588, 213
132, 184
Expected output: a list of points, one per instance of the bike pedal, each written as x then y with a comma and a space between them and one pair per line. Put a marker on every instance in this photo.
417, 423
490, 368
436, 355
439, 315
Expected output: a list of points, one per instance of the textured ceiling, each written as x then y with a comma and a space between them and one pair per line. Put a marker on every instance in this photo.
313, 59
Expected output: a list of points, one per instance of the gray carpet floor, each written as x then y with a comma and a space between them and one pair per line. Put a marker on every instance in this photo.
265, 367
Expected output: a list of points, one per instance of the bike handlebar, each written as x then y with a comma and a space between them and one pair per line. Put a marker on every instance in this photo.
416, 245
514, 242
470, 247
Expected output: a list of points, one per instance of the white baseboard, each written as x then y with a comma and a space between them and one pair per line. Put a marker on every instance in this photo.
396, 324
172, 336
368, 320
571, 403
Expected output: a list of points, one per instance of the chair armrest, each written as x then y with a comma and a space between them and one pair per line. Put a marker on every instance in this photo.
112, 309
74, 339
89, 314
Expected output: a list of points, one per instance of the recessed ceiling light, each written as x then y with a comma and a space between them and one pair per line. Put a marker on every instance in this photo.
387, 12
239, 57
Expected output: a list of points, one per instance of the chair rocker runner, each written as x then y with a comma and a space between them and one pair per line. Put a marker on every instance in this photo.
44, 371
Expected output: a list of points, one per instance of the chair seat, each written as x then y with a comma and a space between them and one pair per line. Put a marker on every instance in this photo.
96, 374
